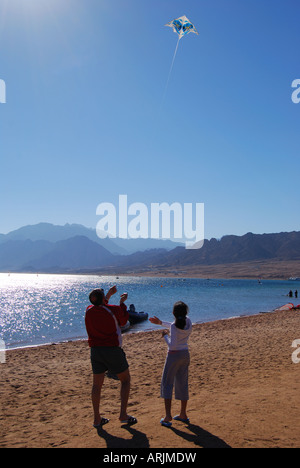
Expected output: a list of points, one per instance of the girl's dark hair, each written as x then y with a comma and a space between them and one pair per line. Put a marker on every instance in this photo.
180, 311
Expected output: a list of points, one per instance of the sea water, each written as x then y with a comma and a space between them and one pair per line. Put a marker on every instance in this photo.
40, 309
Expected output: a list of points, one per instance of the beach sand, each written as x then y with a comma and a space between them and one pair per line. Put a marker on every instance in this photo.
260, 269
244, 391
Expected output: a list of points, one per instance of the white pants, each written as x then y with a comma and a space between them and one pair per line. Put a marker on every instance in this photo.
176, 373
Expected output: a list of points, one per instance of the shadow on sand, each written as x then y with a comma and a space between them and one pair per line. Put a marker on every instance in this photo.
200, 437
193, 434
138, 440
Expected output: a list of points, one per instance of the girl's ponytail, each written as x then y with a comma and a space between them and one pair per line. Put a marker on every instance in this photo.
180, 311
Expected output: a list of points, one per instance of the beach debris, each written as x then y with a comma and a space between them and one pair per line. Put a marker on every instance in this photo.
288, 306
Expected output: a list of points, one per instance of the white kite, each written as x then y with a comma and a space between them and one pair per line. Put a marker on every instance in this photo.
181, 26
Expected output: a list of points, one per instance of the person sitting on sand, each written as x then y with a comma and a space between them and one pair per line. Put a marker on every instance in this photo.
176, 370
103, 324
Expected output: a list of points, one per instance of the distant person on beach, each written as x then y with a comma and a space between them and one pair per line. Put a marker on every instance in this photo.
103, 324
176, 370
291, 294
296, 294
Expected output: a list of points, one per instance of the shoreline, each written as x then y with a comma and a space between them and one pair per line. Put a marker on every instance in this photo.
244, 391
132, 332
252, 270
80, 335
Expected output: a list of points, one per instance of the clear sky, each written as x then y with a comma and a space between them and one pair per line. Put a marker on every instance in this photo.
85, 119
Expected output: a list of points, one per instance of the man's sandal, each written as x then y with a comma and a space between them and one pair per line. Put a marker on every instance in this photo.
101, 423
130, 421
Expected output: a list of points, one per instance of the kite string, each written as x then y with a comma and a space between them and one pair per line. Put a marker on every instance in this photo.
171, 69
175, 53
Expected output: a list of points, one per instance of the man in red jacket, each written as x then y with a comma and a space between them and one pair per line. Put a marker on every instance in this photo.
103, 324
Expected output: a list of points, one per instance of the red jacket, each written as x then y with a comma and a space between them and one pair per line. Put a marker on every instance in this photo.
101, 326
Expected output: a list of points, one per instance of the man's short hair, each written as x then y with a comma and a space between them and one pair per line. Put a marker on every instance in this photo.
96, 297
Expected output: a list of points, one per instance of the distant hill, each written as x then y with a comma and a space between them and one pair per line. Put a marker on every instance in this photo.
53, 233
228, 250
72, 254
16, 255
233, 249
43, 256
81, 253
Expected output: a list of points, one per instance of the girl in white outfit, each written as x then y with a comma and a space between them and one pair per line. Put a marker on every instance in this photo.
176, 370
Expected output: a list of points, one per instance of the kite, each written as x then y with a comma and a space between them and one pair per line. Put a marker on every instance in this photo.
181, 26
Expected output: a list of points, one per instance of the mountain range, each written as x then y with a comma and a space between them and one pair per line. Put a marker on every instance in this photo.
53, 233
74, 248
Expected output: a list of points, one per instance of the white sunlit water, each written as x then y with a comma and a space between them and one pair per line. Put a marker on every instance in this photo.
39, 309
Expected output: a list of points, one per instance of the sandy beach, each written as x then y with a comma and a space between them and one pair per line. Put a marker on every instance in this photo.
244, 391
265, 269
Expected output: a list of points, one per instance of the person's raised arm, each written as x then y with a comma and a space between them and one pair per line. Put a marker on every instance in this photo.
155, 320
123, 298
111, 292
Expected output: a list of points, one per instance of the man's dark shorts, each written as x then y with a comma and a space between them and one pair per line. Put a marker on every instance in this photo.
112, 359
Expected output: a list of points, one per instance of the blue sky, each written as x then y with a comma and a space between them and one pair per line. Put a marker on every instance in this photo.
85, 119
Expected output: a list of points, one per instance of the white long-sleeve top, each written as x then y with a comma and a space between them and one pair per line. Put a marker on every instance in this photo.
178, 339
